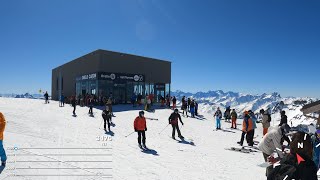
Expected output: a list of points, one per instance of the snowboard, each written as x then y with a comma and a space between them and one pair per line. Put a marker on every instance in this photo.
224, 130
1, 169
241, 150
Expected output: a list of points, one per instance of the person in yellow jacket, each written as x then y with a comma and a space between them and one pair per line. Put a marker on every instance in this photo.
247, 129
2, 152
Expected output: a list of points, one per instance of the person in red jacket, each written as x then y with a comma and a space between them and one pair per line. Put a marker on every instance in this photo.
140, 126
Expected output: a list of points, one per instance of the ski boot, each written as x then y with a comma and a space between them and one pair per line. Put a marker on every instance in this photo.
3, 164
181, 137
173, 138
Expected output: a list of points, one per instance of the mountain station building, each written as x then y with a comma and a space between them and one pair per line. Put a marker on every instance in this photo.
112, 74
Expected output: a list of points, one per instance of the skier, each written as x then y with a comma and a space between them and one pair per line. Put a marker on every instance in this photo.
227, 114
2, 151
74, 105
234, 117
174, 102
140, 126
218, 116
247, 129
106, 115
284, 118
173, 120
46, 97
192, 110
61, 102
272, 142
266, 118
298, 163
90, 104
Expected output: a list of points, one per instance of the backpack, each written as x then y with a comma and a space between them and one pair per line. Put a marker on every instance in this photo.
269, 118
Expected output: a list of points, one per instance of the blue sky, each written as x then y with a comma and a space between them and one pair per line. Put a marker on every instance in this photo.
245, 46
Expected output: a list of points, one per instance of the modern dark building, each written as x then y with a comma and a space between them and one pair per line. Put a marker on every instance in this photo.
106, 73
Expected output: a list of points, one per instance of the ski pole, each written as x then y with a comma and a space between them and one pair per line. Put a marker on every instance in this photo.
152, 118
163, 129
130, 134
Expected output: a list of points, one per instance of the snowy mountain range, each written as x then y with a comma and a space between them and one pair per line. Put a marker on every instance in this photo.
211, 100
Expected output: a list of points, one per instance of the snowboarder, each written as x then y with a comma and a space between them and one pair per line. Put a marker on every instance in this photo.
106, 115
298, 163
272, 142
2, 151
140, 126
46, 97
74, 105
192, 110
218, 116
284, 118
61, 102
266, 119
234, 117
173, 120
247, 129
174, 102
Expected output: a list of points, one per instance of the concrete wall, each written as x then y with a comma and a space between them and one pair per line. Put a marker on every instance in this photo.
155, 71
86, 64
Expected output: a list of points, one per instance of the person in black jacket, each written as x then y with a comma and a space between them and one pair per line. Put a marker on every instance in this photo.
298, 164
106, 115
284, 118
173, 120
74, 105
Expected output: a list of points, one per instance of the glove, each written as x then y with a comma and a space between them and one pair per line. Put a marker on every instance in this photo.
135, 130
146, 129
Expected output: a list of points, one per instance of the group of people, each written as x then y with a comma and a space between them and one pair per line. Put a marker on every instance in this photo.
189, 105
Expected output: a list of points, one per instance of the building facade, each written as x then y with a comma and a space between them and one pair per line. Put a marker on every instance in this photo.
111, 74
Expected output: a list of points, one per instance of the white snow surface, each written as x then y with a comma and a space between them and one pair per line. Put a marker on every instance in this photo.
33, 124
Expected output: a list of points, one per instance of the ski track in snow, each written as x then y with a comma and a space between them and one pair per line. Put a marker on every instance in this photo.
31, 123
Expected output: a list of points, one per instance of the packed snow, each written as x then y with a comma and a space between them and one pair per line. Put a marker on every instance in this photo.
31, 124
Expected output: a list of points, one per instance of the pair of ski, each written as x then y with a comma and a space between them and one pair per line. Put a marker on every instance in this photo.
242, 150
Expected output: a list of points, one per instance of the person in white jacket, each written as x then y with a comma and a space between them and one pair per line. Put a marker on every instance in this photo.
272, 142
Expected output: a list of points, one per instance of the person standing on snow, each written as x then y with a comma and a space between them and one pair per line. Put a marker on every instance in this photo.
74, 104
140, 126
90, 104
196, 108
266, 118
189, 102
218, 116
2, 151
247, 130
272, 142
234, 117
46, 97
61, 102
184, 106
106, 115
227, 114
174, 102
192, 110
284, 118
173, 120
254, 122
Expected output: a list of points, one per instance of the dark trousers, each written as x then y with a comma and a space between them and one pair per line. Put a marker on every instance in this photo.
185, 110
143, 134
74, 109
250, 135
90, 110
174, 127
268, 169
107, 120
242, 137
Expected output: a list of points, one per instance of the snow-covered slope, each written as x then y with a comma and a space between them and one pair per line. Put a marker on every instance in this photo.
209, 101
33, 124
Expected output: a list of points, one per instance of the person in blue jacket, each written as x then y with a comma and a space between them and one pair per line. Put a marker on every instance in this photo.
61, 103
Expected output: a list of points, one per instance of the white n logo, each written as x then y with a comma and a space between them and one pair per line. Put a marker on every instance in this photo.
300, 145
